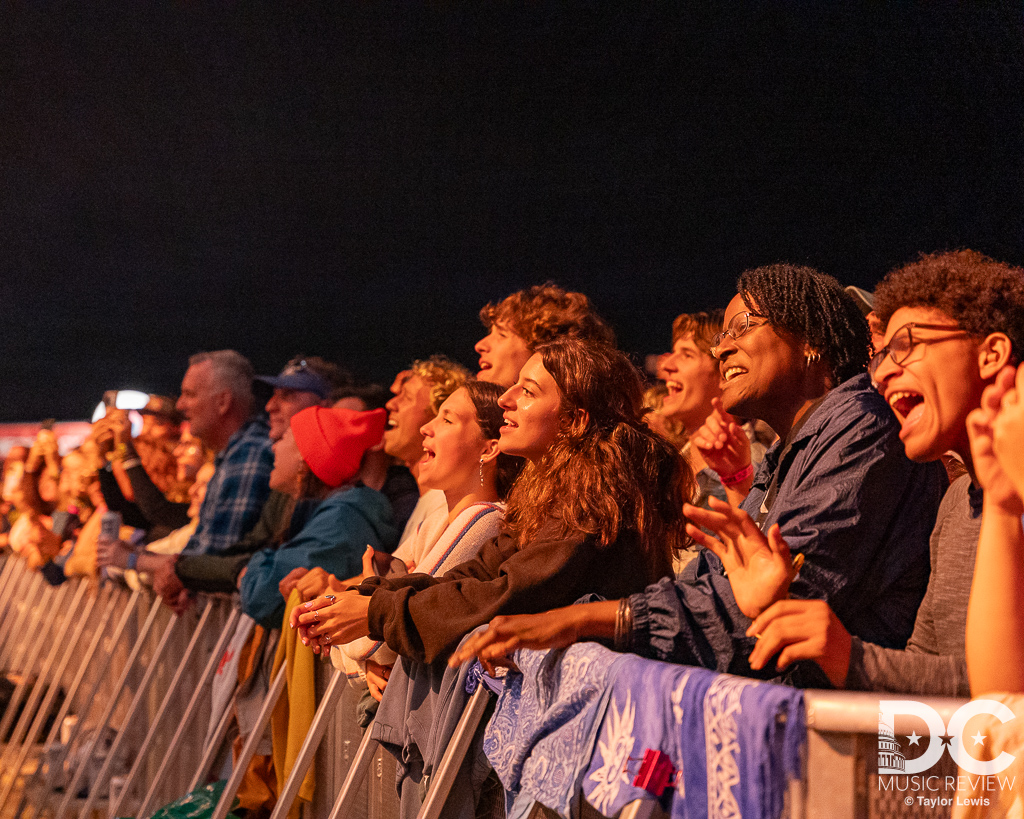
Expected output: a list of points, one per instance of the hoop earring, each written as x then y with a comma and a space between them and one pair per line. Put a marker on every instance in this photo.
481, 471
812, 357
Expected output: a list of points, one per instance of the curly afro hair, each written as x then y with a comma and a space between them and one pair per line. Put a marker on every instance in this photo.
813, 306
980, 294
544, 312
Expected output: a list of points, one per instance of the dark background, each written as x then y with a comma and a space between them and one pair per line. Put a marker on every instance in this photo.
357, 179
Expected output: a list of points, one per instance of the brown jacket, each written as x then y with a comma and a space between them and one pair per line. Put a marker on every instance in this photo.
425, 617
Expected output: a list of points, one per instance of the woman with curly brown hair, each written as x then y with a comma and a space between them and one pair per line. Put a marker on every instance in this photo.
598, 509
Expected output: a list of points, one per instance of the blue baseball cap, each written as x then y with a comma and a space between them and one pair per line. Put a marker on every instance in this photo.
298, 376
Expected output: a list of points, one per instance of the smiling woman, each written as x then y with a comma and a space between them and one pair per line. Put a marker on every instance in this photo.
837, 488
598, 509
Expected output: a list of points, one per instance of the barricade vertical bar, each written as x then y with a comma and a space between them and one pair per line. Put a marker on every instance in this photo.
42, 680
113, 598
356, 774
7, 578
309, 746
140, 693
17, 630
211, 750
51, 695
172, 689
444, 777
119, 686
33, 648
17, 577
193, 705
249, 749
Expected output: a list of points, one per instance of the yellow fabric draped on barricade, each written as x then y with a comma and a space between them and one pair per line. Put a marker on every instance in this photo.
294, 712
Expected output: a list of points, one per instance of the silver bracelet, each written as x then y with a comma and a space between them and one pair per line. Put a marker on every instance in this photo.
623, 625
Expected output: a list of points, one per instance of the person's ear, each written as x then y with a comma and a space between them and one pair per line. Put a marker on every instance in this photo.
579, 420
994, 353
224, 402
490, 451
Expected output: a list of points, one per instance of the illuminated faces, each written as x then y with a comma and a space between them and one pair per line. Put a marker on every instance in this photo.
502, 355
532, 412
453, 445
692, 379
934, 386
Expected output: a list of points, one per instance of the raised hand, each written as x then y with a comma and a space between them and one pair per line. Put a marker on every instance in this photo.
999, 489
722, 442
1008, 433
759, 568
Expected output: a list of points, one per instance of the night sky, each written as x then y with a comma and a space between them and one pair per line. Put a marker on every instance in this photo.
356, 180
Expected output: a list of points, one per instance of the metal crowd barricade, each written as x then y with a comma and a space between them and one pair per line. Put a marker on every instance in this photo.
157, 676
16, 748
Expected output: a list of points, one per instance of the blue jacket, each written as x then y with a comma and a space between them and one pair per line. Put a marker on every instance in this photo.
850, 500
334, 539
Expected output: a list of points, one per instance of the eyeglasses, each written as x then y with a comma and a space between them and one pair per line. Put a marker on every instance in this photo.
738, 327
902, 343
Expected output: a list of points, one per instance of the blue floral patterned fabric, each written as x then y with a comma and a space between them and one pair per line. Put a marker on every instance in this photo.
583, 719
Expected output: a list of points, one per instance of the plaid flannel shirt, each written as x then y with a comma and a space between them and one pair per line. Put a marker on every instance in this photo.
236, 492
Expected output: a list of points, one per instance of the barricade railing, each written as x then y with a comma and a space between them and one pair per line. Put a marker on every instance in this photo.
136, 666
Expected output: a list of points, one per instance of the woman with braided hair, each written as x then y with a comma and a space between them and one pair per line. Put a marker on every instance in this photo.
837, 488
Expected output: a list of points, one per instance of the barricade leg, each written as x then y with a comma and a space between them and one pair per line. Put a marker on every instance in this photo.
104, 774
210, 754
114, 600
355, 776
27, 604
9, 576
80, 772
184, 664
27, 658
249, 749
51, 695
444, 777
43, 681
193, 706
309, 746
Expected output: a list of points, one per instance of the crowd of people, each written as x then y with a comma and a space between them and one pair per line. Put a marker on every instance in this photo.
820, 488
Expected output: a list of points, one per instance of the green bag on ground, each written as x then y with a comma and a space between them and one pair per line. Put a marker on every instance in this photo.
200, 804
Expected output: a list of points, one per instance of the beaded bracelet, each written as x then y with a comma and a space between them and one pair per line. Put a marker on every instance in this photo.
737, 477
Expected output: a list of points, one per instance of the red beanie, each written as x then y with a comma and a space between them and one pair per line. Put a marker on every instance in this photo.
333, 441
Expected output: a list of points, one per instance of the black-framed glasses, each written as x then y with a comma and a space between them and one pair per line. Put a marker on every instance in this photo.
903, 341
738, 327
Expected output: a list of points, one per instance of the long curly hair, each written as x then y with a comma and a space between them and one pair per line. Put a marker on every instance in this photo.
813, 306
980, 294
544, 312
607, 471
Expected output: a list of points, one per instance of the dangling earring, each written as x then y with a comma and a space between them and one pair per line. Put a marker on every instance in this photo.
812, 357
481, 470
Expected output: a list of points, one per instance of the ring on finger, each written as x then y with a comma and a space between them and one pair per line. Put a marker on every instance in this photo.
316, 615
330, 598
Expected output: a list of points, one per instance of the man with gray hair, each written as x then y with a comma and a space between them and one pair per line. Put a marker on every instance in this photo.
217, 400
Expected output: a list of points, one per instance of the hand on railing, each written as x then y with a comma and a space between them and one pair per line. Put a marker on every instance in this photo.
802, 630
558, 628
331, 620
